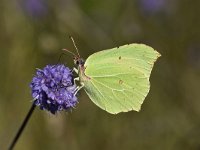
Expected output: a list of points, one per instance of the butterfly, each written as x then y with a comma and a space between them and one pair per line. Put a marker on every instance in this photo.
117, 79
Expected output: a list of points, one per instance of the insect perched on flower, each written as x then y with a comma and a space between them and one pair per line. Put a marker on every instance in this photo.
53, 88
117, 79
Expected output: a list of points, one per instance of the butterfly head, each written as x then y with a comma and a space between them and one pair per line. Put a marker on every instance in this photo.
79, 61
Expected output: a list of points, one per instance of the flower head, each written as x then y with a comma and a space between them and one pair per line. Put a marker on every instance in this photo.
153, 6
53, 88
35, 8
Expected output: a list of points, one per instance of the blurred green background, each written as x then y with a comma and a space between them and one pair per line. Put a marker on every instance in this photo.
32, 34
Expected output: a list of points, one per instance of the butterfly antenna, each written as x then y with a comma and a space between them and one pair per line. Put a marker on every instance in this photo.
63, 54
69, 51
74, 45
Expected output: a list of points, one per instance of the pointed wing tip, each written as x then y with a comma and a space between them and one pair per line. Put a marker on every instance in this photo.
145, 45
158, 54
137, 109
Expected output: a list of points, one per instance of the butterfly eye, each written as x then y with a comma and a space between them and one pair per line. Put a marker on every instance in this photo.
81, 62
76, 62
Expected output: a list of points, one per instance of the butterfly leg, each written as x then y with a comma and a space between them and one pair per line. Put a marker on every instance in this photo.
75, 70
76, 79
78, 88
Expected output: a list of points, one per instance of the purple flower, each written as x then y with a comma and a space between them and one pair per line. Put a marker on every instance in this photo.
35, 8
53, 88
152, 6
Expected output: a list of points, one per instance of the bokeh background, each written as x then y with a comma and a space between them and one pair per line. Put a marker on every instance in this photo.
32, 34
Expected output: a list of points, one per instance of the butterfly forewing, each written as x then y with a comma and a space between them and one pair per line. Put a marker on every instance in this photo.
119, 77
